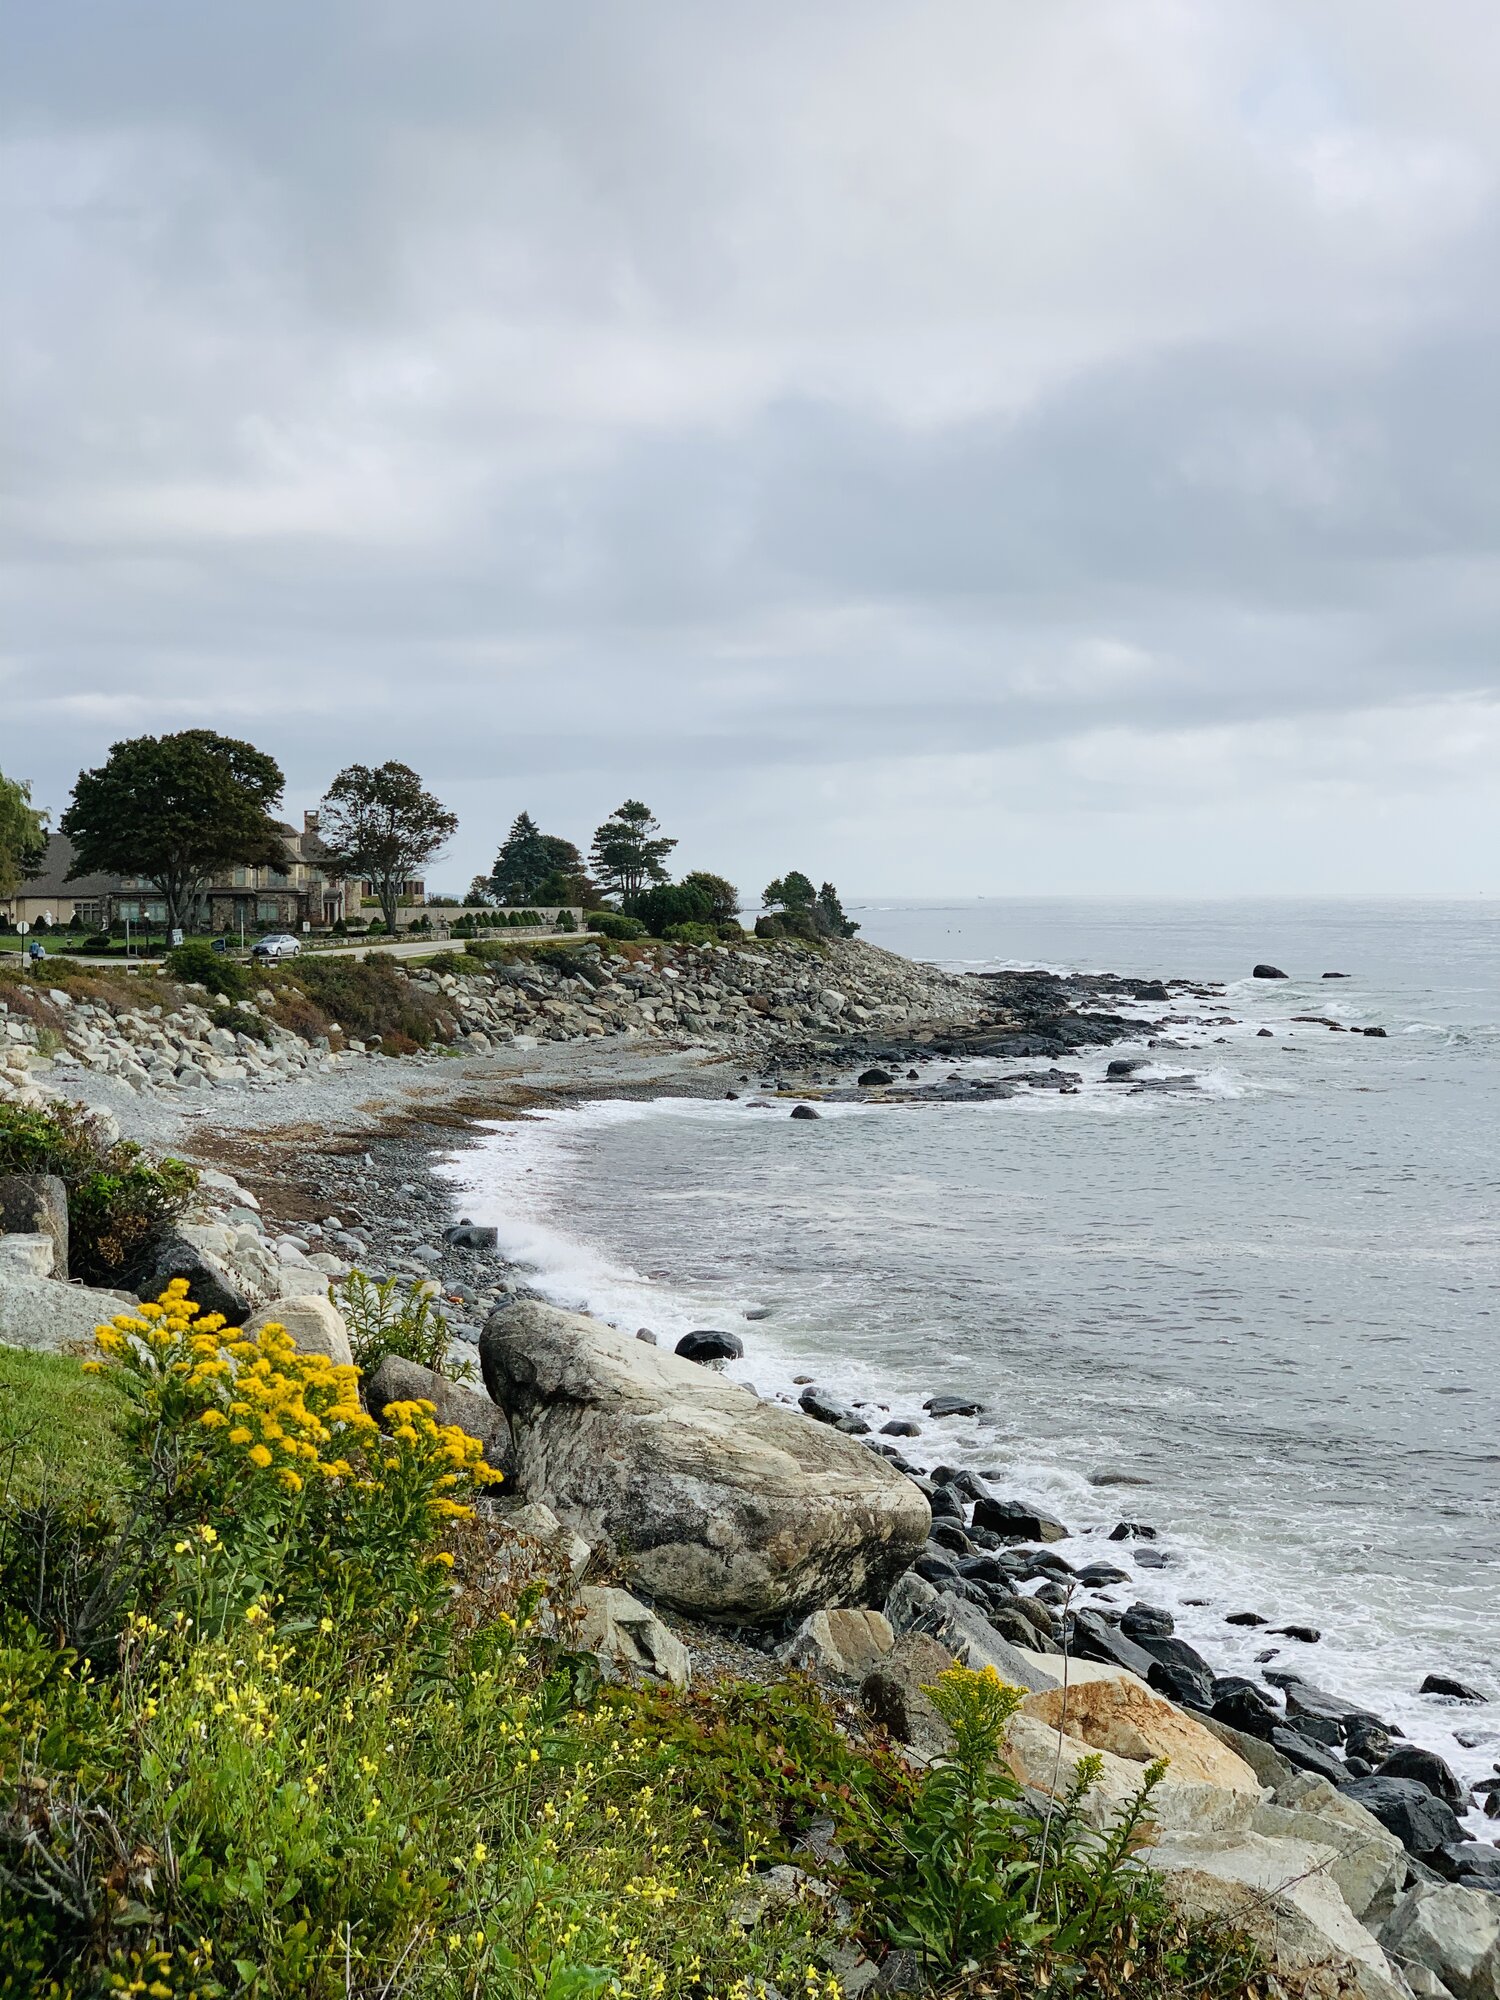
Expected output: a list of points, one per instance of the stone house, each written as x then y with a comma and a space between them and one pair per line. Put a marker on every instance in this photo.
302, 893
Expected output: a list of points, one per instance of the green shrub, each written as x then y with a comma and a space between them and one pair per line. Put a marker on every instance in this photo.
240, 1021
671, 903
565, 921
611, 924
120, 1203
370, 998
197, 963
393, 1316
691, 934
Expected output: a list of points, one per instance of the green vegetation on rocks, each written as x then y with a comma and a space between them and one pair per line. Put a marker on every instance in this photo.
120, 1203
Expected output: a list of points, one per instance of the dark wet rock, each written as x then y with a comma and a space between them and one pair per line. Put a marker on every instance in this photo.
1108, 1476
1100, 1576
757, 1312
211, 1285
805, 1111
1011, 1622
1474, 1863
900, 1427
1317, 1729
1018, 1521
1132, 1531
1268, 972
1243, 1706
1127, 1065
1452, 1690
709, 1344
988, 1569
1245, 1618
950, 1536
936, 1566
1367, 1738
1309, 1635
1377, 1034
1266, 1034
952, 1406
823, 1408
1093, 1638
466, 1235
1180, 1684
961, 1480
945, 1504
853, 1426
1046, 1563
873, 1078
1147, 1620
1423, 1824
1307, 1755
1150, 1558
1305, 1700
1424, 1767
1335, 975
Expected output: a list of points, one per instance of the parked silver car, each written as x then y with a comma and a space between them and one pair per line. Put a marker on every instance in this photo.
279, 944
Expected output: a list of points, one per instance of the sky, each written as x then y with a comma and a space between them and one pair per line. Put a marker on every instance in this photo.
976, 446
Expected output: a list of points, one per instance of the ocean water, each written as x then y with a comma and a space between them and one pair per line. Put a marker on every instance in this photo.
1272, 1299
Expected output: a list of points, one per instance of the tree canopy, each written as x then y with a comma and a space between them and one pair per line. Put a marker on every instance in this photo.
629, 850
381, 825
523, 863
718, 893
23, 834
804, 911
176, 811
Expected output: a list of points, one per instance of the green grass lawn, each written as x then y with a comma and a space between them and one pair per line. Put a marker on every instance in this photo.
57, 1428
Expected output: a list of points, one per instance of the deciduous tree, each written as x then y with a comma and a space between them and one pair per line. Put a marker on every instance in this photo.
176, 811
382, 826
23, 834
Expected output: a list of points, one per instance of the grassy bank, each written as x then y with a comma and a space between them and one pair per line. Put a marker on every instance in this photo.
282, 1712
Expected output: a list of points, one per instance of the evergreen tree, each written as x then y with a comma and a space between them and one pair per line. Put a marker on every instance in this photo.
522, 865
721, 896
629, 850
829, 914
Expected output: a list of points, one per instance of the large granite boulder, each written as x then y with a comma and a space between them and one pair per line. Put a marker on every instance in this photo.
1132, 1721
1282, 1893
315, 1324
1453, 1932
37, 1205
729, 1508
41, 1312
212, 1285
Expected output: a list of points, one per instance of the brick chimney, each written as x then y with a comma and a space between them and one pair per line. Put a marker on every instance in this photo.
309, 822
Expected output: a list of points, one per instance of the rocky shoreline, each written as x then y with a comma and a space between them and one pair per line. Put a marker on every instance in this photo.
754, 1537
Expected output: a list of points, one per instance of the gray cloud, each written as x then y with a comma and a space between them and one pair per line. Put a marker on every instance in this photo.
972, 446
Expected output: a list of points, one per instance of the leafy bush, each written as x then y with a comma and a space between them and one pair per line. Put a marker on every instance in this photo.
197, 963
370, 998
610, 924
565, 921
120, 1203
393, 1316
691, 934
240, 1021
671, 903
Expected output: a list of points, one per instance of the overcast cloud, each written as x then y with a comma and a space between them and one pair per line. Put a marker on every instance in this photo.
976, 445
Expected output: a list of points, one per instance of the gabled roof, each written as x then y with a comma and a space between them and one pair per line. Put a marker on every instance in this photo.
51, 881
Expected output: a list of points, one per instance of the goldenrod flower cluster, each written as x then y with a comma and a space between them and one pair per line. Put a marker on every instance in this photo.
283, 1415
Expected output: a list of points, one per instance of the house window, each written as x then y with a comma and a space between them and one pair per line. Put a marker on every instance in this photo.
129, 913
241, 878
156, 913
267, 910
